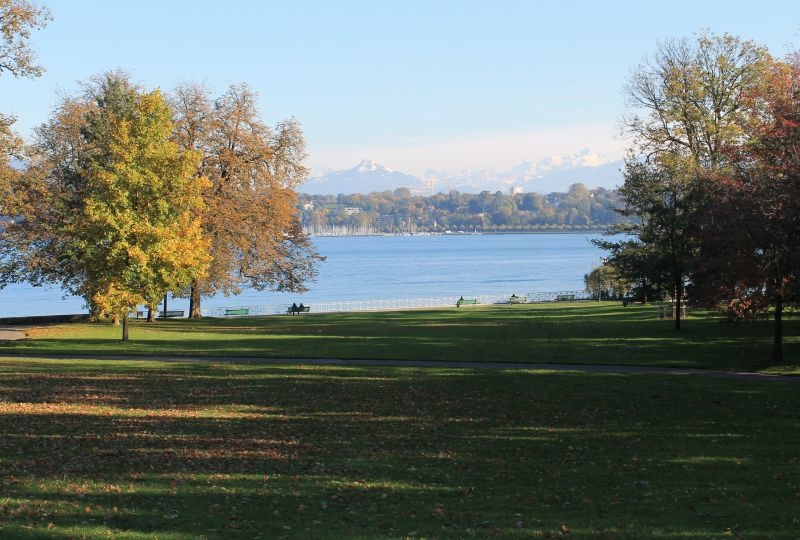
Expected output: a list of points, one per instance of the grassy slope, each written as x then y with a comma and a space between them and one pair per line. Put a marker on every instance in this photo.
101, 449
577, 333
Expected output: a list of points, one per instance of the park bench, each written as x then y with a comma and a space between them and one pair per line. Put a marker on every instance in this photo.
514, 299
170, 314
291, 310
237, 312
466, 301
565, 297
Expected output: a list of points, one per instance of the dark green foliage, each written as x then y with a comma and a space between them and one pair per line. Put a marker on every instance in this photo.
662, 201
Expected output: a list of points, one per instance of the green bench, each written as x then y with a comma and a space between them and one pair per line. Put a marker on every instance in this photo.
514, 299
565, 297
466, 301
291, 310
170, 314
237, 312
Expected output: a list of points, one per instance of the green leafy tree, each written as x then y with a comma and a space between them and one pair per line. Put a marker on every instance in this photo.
687, 105
660, 248
605, 281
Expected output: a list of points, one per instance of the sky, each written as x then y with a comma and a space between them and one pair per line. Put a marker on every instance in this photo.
412, 84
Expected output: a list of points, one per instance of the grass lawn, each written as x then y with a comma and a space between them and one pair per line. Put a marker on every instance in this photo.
177, 450
143, 449
577, 333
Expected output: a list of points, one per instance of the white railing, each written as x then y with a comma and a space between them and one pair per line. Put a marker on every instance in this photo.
405, 303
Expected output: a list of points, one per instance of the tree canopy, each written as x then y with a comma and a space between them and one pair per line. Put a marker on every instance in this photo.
17, 19
252, 221
713, 177
752, 237
109, 207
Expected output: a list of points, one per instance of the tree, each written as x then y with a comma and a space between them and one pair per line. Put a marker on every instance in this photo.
10, 148
17, 19
688, 105
688, 97
109, 208
252, 222
753, 231
661, 250
605, 281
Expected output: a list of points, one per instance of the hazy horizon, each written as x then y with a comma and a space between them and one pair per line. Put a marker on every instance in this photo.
442, 85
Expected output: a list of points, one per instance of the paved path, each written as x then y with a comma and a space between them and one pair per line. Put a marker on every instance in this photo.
589, 368
13, 333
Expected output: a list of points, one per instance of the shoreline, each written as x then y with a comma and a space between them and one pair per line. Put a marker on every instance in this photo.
460, 233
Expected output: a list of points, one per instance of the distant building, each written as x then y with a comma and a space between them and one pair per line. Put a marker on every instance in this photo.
516, 190
553, 199
349, 210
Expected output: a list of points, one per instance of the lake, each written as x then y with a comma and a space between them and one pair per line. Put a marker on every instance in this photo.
372, 268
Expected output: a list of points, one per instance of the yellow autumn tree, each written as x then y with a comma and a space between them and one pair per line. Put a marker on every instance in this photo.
120, 202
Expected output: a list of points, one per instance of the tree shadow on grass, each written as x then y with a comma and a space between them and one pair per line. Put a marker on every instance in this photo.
317, 452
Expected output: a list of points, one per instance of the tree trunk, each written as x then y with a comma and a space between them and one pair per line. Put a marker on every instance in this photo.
777, 336
194, 301
124, 327
151, 313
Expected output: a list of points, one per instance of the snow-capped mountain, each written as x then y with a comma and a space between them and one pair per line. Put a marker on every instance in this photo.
365, 177
551, 174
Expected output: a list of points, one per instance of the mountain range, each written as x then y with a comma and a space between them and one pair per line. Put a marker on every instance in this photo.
548, 175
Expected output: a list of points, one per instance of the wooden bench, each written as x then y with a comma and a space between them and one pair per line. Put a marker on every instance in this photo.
237, 312
291, 310
170, 314
514, 299
466, 301
565, 297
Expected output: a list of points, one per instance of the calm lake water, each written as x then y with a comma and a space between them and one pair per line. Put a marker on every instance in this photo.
393, 267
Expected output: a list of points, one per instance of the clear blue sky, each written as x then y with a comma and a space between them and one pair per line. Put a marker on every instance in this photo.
411, 84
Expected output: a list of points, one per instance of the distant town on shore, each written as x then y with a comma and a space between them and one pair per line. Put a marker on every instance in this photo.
401, 212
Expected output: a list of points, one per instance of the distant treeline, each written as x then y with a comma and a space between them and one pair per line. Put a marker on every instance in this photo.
399, 211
